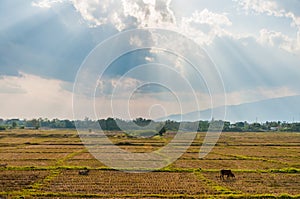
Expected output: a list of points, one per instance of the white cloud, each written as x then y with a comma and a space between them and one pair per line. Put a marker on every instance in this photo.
149, 59
216, 22
122, 14
136, 41
32, 96
149, 13
210, 18
45, 3
121, 86
278, 39
202, 26
42, 97
126, 14
94, 12
269, 7
8, 86
274, 38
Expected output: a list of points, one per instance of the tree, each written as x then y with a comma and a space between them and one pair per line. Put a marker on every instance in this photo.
14, 125
226, 126
203, 126
34, 123
142, 122
171, 125
162, 131
111, 125
295, 127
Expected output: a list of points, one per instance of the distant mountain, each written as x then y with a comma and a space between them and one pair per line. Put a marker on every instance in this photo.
276, 109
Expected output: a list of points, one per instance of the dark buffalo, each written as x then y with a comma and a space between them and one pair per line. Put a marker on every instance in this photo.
228, 173
3, 165
84, 172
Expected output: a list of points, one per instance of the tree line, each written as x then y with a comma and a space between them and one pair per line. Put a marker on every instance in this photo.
114, 124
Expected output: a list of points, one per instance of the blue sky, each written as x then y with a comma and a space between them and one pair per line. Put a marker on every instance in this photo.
254, 44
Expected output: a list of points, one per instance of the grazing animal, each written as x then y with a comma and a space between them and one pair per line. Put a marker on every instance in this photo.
3, 165
84, 172
228, 173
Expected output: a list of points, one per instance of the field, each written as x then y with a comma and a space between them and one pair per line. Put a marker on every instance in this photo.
45, 164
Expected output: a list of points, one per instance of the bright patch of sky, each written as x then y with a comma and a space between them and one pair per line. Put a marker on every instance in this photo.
255, 45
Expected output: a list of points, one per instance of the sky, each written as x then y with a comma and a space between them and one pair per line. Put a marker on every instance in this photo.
249, 50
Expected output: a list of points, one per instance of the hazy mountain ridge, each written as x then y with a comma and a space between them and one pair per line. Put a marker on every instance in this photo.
275, 109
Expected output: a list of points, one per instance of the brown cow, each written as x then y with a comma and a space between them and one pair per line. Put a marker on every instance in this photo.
228, 173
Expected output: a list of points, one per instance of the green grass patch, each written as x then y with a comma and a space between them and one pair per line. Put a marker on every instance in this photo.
142, 133
285, 170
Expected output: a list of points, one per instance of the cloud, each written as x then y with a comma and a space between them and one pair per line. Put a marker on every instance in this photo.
203, 26
274, 38
28, 96
49, 43
268, 7
97, 13
126, 14
135, 41
129, 98
46, 98
190, 26
278, 39
149, 13
251, 71
210, 18
123, 14
121, 86
45, 3
149, 59
9, 85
